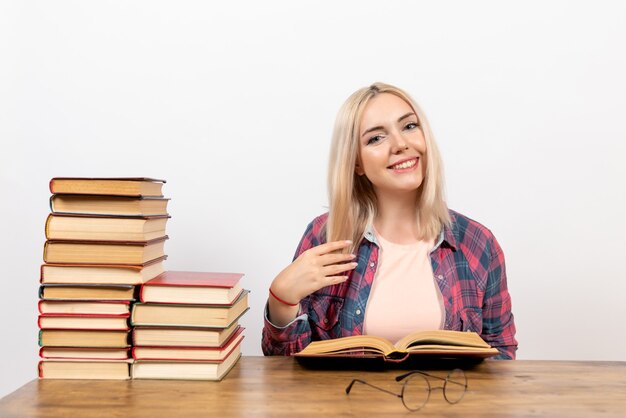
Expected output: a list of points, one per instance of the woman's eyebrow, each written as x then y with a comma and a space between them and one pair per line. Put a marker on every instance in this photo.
375, 128
406, 116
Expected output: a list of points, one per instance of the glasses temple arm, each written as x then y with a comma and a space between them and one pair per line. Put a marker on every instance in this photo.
349, 388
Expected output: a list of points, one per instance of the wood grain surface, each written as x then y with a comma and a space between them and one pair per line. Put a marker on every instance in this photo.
282, 387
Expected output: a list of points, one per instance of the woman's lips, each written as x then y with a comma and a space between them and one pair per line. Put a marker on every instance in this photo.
405, 165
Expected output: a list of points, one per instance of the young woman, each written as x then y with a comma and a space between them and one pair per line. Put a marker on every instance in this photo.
389, 257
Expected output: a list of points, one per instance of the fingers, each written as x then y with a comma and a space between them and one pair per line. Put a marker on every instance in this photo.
329, 247
337, 269
328, 259
336, 280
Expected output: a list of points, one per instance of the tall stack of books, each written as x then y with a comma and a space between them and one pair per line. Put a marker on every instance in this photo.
187, 326
104, 238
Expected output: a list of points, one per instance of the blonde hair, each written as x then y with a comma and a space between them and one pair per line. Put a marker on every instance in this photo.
352, 201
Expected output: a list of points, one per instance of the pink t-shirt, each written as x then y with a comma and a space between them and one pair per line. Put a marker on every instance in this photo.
404, 296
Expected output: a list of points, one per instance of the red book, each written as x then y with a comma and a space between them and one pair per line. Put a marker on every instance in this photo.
190, 353
192, 287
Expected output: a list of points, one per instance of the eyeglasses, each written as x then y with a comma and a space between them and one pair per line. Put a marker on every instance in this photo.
416, 388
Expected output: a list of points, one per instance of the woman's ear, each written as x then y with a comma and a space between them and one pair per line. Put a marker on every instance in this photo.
358, 169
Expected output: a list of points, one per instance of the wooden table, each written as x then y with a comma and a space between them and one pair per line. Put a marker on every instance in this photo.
280, 386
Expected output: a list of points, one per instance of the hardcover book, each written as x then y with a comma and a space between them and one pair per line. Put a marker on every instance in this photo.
191, 287
84, 322
442, 343
83, 338
105, 227
85, 369
183, 336
87, 292
107, 274
103, 252
108, 205
120, 186
184, 370
189, 353
216, 316
69, 353
100, 307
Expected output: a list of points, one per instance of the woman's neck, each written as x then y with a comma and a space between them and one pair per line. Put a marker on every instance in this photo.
396, 218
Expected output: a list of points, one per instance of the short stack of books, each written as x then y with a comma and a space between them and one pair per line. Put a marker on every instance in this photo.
186, 326
104, 238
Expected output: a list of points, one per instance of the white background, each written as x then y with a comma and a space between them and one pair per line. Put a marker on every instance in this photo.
233, 103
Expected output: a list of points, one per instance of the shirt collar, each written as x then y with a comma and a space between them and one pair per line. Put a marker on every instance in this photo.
446, 235
370, 235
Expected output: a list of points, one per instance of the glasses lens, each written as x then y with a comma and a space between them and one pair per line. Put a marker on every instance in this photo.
415, 392
455, 386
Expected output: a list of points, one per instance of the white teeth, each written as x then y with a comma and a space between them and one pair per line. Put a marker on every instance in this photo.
405, 164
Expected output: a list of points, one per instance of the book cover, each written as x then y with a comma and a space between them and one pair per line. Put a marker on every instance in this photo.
189, 353
84, 353
87, 292
98, 273
177, 336
84, 369
84, 227
108, 205
192, 287
217, 316
83, 338
123, 186
103, 252
83, 322
184, 370
101, 307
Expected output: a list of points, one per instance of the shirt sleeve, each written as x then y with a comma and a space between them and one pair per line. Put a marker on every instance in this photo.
296, 335
498, 322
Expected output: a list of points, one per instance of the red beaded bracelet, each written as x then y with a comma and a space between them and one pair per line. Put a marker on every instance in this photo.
282, 301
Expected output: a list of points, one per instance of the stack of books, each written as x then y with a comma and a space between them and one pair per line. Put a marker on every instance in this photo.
186, 326
104, 238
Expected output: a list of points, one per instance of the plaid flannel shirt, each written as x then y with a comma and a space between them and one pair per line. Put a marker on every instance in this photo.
468, 266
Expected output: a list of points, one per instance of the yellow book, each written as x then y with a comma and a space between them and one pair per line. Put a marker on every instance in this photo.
443, 343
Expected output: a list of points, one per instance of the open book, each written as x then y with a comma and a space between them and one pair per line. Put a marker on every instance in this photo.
443, 343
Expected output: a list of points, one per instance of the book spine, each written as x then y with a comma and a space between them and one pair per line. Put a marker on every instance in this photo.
47, 227
51, 186
40, 369
39, 306
41, 288
40, 338
141, 293
45, 252
132, 317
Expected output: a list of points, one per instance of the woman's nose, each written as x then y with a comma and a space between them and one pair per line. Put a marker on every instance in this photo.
399, 143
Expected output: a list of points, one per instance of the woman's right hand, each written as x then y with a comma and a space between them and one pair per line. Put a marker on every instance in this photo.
314, 269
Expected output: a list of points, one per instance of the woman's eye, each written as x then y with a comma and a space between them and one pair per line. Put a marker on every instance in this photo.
411, 125
374, 140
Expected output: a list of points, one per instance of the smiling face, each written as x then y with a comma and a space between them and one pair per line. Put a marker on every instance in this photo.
391, 146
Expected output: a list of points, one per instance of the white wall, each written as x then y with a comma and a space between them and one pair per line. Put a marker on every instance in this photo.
233, 104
